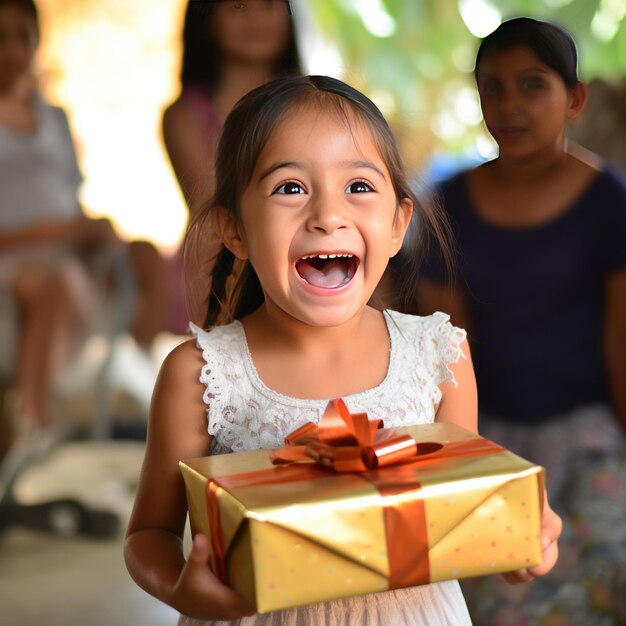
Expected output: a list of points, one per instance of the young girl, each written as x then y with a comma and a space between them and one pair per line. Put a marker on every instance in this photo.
541, 236
311, 195
229, 48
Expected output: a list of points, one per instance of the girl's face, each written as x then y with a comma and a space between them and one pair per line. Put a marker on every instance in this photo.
252, 31
18, 43
320, 218
525, 103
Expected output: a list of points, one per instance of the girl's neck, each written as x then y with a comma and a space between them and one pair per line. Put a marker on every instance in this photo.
237, 79
303, 361
533, 169
279, 328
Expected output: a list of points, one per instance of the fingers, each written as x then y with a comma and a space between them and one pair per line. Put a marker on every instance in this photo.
550, 556
551, 527
518, 576
209, 596
200, 550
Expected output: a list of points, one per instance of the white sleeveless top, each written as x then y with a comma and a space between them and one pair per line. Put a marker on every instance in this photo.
244, 414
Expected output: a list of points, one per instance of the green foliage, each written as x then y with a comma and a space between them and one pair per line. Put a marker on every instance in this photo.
421, 71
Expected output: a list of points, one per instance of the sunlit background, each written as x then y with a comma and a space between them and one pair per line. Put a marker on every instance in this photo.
113, 65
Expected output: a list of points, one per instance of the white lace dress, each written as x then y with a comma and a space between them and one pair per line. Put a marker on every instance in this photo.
244, 414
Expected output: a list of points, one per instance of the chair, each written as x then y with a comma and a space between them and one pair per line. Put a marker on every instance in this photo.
67, 515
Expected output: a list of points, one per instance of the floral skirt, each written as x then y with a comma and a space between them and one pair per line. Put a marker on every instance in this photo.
584, 454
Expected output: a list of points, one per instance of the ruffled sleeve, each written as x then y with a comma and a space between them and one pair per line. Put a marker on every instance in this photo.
222, 374
430, 345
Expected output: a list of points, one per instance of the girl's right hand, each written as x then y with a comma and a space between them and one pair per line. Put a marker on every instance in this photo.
198, 593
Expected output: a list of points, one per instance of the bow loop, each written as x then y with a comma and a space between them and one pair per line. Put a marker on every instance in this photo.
349, 442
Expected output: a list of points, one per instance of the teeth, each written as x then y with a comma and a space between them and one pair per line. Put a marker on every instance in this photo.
328, 256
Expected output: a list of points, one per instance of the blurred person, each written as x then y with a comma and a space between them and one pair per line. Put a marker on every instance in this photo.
541, 288
229, 48
45, 239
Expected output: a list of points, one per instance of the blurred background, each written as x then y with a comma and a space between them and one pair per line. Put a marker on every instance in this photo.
113, 66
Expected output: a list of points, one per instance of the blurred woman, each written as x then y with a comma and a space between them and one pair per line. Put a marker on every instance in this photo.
229, 48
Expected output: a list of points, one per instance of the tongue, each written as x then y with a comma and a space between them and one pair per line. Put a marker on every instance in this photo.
330, 275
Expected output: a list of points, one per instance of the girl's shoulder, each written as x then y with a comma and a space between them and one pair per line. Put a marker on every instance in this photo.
454, 196
217, 339
436, 323
613, 180
197, 103
456, 184
605, 195
431, 339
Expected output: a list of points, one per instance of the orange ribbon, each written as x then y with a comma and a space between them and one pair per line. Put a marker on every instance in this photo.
346, 442
349, 442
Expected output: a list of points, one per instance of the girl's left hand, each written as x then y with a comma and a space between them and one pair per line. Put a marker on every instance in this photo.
551, 526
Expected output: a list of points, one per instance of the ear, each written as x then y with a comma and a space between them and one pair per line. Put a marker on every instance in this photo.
230, 232
401, 223
577, 100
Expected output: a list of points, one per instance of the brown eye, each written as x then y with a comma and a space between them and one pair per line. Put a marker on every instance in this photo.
289, 189
532, 83
358, 187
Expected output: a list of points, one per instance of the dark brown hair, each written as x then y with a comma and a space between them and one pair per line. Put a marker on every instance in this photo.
246, 131
29, 6
201, 56
550, 42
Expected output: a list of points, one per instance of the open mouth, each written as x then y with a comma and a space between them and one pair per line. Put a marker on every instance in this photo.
329, 271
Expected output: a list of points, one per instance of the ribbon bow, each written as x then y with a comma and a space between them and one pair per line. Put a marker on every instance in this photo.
349, 442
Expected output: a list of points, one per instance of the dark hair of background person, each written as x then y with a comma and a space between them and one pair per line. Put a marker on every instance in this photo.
29, 6
550, 42
200, 63
246, 131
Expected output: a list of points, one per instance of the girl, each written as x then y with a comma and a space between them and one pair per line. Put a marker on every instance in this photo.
541, 234
229, 48
310, 193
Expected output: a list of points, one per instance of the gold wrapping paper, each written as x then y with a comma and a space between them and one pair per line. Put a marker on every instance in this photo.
307, 534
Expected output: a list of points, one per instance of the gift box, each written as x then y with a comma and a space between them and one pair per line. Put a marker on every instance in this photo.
350, 508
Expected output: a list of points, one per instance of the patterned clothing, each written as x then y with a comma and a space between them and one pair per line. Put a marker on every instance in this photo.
584, 456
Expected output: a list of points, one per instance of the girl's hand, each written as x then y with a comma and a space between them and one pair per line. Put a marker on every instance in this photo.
198, 593
551, 526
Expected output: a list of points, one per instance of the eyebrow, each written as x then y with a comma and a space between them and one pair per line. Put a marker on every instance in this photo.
368, 165
296, 165
533, 68
277, 166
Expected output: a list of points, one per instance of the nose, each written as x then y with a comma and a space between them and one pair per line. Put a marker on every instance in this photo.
327, 214
507, 100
